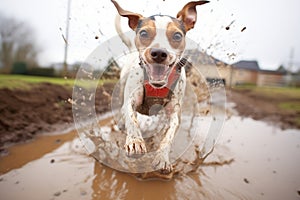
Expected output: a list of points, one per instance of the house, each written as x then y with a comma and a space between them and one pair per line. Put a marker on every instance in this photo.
249, 72
271, 78
244, 72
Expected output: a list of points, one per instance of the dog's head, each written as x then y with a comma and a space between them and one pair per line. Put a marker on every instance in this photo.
160, 39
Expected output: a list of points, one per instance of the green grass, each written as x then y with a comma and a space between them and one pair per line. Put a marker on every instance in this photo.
274, 92
286, 99
288, 92
297, 121
26, 82
290, 106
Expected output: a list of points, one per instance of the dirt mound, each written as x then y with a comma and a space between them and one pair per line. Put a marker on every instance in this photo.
43, 108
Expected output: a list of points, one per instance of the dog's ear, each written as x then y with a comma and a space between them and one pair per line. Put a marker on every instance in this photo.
188, 14
133, 18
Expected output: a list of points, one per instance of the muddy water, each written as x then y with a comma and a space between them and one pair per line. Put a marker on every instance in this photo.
266, 166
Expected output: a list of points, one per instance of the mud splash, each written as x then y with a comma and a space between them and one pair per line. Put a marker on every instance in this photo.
265, 166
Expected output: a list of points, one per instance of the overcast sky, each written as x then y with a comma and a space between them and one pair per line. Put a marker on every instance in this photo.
272, 27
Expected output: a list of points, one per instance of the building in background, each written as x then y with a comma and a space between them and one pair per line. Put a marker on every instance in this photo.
240, 73
244, 72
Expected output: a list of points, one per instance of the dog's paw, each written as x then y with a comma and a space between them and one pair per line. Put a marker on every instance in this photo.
135, 146
162, 164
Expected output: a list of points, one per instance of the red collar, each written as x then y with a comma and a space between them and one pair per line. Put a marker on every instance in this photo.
163, 92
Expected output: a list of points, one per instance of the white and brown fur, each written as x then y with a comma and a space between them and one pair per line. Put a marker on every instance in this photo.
160, 41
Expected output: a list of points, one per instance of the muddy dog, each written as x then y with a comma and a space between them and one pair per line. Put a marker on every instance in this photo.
156, 85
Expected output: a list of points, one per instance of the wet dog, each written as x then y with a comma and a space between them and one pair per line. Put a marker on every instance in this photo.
156, 86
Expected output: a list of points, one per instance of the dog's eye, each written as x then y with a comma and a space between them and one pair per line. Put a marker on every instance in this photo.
177, 36
144, 34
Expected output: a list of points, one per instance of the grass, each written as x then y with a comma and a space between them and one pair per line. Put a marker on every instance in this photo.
290, 106
297, 120
273, 92
286, 99
287, 92
26, 82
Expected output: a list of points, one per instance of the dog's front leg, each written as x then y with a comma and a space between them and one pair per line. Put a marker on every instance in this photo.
161, 160
133, 97
134, 141
173, 110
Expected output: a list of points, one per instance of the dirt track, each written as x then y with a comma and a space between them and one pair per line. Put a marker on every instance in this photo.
258, 155
44, 108
260, 107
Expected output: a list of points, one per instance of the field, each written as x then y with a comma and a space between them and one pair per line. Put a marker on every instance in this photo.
279, 105
272, 92
26, 82
31, 105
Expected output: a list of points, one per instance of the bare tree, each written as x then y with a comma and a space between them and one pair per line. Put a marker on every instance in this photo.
16, 43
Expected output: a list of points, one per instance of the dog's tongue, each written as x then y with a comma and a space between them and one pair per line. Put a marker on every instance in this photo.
158, 72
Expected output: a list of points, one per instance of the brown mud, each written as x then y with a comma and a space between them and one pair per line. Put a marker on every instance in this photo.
45, 108
42, 109
260, 107
265, 166
251, 160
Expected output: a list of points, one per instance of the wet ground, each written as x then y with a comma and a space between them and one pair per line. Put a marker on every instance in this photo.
252, 160
263, 103
43, 108
265, 166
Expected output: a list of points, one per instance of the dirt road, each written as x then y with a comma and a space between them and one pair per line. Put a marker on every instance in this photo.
45, 108
264, 106
42, 109
264, 158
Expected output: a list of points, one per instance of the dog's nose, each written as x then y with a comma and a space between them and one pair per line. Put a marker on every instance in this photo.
158, 55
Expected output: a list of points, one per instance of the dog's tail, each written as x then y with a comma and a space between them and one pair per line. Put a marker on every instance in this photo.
121, 34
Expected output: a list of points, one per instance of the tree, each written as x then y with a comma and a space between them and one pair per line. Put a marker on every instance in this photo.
16, 44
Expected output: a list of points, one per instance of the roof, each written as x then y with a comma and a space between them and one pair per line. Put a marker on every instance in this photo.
247, 64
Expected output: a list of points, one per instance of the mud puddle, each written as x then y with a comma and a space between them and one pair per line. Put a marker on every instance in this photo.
266, 166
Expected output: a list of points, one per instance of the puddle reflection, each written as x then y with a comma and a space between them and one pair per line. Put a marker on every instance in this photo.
265, 166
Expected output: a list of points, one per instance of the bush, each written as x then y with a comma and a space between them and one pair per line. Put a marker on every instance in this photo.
37, 71
19, 68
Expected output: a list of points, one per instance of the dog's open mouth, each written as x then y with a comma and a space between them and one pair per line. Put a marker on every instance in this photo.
158, 74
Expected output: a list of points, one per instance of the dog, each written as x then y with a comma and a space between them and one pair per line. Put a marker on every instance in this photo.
157, 85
